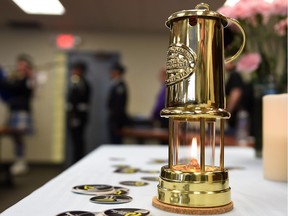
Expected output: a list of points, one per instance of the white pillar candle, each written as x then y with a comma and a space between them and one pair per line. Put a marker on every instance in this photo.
275, 137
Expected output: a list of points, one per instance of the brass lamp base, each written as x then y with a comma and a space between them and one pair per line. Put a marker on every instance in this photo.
195, 190
190, 210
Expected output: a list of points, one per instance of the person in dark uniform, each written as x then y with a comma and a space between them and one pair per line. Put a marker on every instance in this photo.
234, 89
18, 89
117, 102
239, 93
77, 109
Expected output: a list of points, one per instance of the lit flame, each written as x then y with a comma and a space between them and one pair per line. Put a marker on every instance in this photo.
194, 148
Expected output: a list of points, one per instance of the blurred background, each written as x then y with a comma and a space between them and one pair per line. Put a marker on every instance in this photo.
134, 31
101, 34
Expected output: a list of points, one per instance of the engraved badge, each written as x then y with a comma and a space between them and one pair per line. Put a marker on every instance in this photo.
181, 61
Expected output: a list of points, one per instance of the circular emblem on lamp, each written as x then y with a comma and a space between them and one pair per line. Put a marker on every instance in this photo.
181, 61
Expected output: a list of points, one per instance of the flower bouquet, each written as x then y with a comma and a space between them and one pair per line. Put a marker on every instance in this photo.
265, 56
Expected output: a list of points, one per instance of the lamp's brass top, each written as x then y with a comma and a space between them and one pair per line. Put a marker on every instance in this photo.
201, 10
195, 76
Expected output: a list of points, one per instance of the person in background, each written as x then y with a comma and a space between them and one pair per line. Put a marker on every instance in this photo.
160, 102
239, 93
234, 89
18, 88
117, 102
78, 108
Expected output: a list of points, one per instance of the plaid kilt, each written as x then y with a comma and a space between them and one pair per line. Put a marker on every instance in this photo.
20, 120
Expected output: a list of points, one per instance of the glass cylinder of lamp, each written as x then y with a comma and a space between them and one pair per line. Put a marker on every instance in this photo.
192, 147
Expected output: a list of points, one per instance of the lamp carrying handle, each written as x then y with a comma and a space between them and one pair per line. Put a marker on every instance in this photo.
231, 58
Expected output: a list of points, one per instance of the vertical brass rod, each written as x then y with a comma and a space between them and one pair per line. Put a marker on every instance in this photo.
222, 144
202, 144
171, 137
176, 141
213, 143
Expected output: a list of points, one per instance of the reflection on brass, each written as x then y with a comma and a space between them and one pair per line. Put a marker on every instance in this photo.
222, 144
195, 64
202, 150
194, 189
202, 93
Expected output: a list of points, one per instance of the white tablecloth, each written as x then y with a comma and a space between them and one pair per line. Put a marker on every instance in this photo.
251, 193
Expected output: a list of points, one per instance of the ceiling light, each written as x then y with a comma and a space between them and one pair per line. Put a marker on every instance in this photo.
46, 7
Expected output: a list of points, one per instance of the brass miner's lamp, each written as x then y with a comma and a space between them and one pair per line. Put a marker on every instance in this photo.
195, 181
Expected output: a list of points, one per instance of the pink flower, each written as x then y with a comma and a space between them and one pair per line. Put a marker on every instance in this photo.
264, 9
238, 11
280, 7
248, 9
227, 11
248, 62
281, 27
244, 10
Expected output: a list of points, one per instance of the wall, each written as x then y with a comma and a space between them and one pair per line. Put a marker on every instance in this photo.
142, 54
